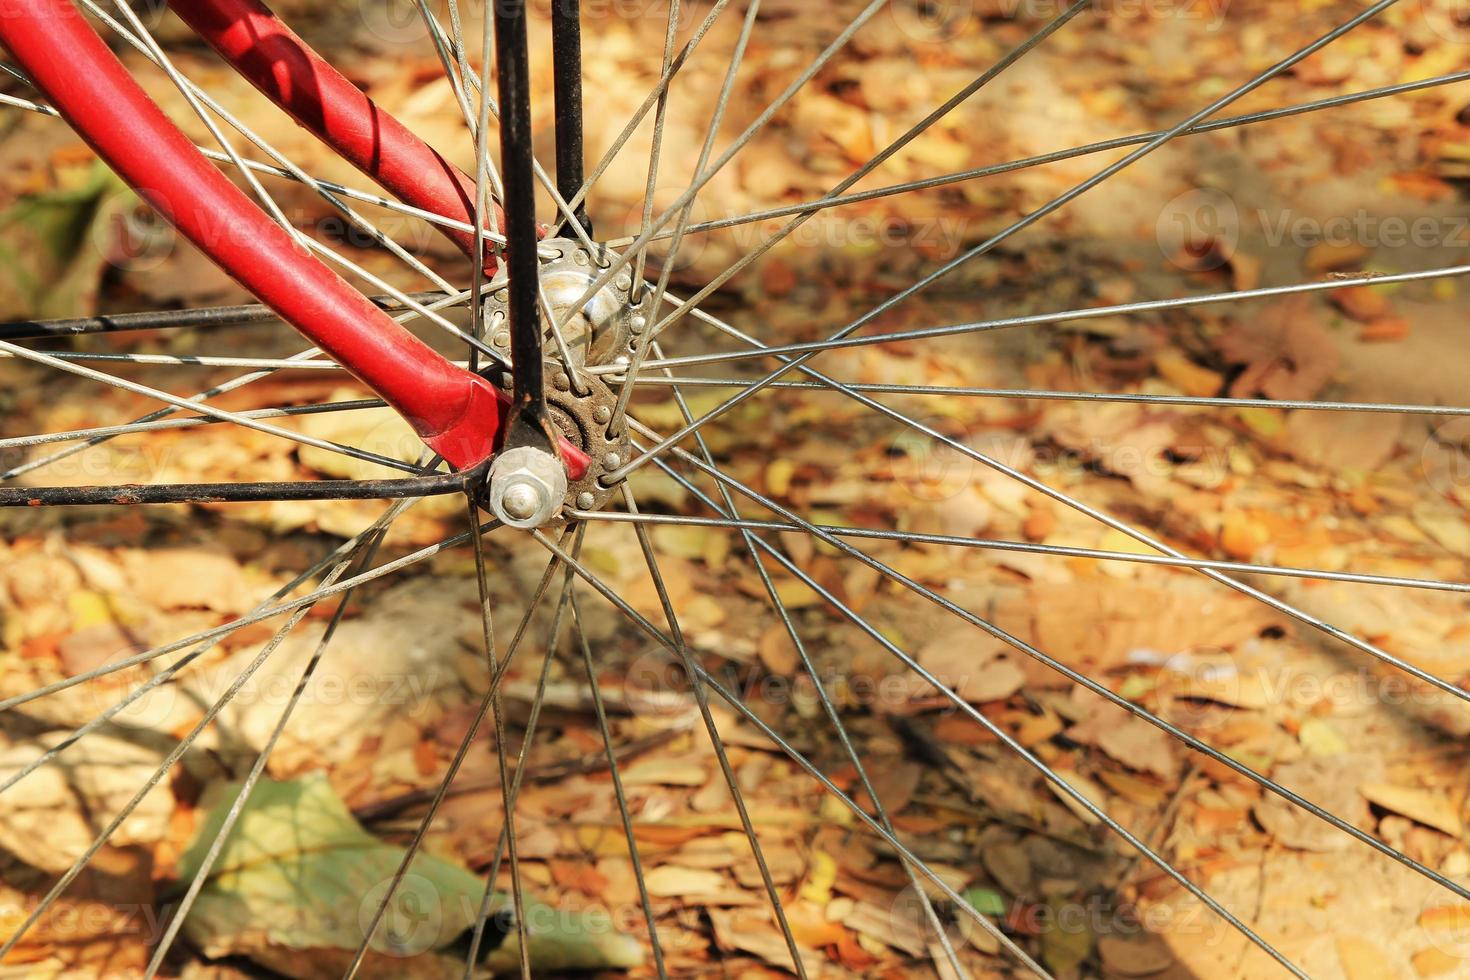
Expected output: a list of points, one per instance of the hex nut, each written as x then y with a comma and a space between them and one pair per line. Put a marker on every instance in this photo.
527, 487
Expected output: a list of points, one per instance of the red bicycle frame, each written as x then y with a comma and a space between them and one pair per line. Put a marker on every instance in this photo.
457, 413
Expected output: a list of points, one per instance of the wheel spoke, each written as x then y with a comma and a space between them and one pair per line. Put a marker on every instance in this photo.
133, 428
1138, 535
1022, 223
578, 200
487, 702
298, 613
369, 549
619, 793
1029, 548
193, 401
224, 416
656, 145
913, 133
249, 619
716, 741
640, 350
1123, 142
522, 758
778, 605
1043, 394
1030, 651
621, 262
701, 679
1048, 319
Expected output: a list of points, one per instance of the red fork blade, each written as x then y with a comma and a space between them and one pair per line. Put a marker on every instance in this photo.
457, 414
318, 96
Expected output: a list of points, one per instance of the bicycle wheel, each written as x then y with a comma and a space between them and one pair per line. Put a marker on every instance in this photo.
1091, 608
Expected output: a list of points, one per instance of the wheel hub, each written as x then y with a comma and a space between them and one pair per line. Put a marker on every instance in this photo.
602, 331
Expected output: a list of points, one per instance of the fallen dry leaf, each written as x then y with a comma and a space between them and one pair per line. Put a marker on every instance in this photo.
1426, 806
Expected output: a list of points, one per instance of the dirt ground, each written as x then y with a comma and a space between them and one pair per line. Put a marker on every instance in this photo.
1373, 187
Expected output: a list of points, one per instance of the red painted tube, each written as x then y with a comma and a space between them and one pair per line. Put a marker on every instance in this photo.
293, 76
458, 414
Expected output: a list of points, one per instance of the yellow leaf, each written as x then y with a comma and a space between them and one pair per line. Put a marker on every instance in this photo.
820, 879
88, 609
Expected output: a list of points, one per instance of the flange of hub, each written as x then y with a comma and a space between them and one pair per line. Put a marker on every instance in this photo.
603, 330
584, 419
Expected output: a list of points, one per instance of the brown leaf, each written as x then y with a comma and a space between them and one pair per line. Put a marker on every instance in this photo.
1285, 350
1426, 806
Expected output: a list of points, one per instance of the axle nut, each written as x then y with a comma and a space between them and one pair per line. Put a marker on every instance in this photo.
527, 487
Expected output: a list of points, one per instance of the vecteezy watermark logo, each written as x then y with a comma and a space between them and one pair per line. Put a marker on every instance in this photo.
1199, 230
1445, 919
656, 687
927, 468
1450, 19
131, 236
1444, 460
411, 922
931, 20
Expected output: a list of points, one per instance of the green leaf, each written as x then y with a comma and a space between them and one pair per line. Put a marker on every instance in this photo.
1066, 938
300, 875
54, 246
986, 901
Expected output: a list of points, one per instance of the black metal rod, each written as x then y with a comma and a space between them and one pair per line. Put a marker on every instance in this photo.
208, 316
566, 54
211, 493
516, 165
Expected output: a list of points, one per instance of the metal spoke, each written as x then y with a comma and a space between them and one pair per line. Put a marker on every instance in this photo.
1026, 547
232, 816
619, 264
352, 549
832, 201
484, 171
1053, 205
716, 742
701, 678
1040, 319
913, 133
773, 596
1022, 646
640, 350
577, 201
108, 431
173, 756
509, 799
1100, 516
487, 702
162, 60
542, 177
656, 145
1044, 394
193, 401
249, 619
290, 166
600, 710
177, 402
497, 710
